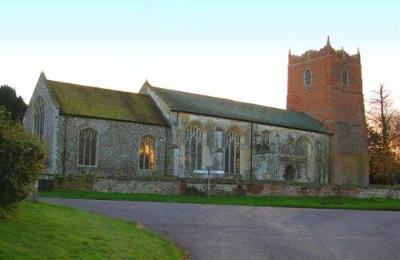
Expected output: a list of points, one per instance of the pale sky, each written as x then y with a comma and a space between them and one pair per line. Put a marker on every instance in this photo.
231, 49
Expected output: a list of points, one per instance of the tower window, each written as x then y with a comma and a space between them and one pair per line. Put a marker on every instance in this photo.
307, 78
345, 78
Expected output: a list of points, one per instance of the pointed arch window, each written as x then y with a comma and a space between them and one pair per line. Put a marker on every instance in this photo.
232, 152
87, 149
345, 78
194, 147
39, 118
147, 154
262, 142
307, 78
265, 138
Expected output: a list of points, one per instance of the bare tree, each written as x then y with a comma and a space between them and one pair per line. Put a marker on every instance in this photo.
384, 136
382, 114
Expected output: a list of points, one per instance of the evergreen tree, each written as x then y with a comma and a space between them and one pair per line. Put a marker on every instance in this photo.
15, 105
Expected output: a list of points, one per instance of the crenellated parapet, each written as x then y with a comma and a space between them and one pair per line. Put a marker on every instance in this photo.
324, 51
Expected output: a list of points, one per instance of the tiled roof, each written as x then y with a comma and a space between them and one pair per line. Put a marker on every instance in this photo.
219, 107
102, 103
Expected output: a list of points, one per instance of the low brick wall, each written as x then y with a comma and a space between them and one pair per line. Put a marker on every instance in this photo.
137, 186
219, 187
323, 191
370, 192
215, 189
78, 183
290, 190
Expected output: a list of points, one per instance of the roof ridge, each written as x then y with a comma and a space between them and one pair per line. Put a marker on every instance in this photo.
236, 101
95, 102
232, 109
102, 88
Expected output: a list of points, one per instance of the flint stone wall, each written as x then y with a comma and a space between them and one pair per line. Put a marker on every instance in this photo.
118, 147
137, 186
174, 186
51, 125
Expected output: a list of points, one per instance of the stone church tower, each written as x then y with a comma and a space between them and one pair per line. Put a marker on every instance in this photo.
327, 84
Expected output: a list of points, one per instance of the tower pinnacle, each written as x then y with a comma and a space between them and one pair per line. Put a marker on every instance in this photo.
328, 42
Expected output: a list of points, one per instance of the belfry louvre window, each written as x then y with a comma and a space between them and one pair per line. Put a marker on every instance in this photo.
307, 78
87, 147
193, 147
345, 78
232, 152
39, 118
147, 154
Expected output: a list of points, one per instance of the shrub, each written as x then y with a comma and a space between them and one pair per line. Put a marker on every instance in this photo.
21, 162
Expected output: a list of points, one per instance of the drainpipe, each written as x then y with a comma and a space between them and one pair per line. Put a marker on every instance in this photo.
165, 150
251, 151
64, 146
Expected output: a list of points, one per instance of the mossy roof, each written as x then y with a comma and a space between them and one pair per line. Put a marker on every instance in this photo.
225, 108
102, 103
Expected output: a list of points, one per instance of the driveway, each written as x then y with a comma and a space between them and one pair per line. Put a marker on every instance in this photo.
239, 232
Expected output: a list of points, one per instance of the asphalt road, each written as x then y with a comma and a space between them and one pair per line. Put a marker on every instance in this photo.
239, 232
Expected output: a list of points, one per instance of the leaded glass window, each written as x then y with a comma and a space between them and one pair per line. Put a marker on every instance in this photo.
87, 147
39, 118
147, 153
232, 152
194, 147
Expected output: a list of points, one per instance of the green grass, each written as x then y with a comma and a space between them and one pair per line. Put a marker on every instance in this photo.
42, 231
303, 202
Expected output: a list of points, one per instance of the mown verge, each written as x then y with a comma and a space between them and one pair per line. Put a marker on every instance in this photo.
42, 231
296, 202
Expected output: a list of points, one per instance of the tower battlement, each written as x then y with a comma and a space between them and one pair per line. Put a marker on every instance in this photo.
327, 50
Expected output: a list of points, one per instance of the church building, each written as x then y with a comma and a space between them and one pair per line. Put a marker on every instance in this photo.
320, 138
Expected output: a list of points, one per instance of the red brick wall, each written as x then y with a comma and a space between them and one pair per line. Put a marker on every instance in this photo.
340, 108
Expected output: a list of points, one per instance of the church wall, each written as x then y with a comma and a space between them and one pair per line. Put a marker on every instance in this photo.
51, 124
172, 151
306, 152
277, 150
213, 144
117, 147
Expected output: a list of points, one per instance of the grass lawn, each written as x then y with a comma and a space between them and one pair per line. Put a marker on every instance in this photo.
305, 202
42, 231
